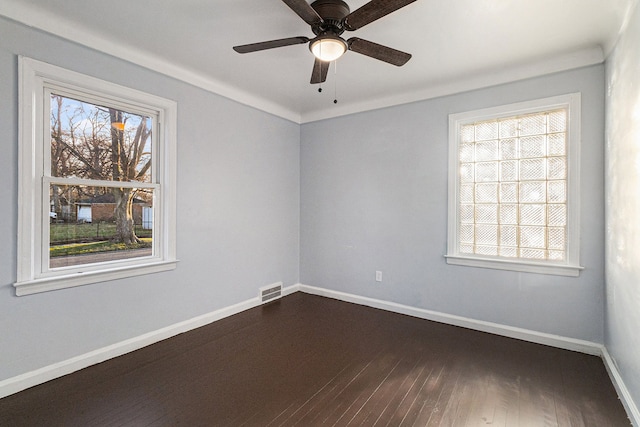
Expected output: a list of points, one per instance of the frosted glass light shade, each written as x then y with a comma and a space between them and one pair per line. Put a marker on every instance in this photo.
328, 48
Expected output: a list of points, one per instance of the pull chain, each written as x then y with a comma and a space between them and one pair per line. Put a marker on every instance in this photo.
320, 84
335, 82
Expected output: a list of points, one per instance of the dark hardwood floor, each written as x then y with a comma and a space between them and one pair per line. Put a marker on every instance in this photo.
308, 361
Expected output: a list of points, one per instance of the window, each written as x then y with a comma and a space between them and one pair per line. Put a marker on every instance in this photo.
513, 187
97, 168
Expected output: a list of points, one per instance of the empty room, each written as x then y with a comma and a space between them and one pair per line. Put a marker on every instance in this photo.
296, 212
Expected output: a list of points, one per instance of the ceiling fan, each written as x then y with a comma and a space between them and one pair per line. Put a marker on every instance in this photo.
328, 20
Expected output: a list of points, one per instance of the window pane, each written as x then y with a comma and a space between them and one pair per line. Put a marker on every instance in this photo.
466, 172
486, 172
466, 233
91, 225
508, 149
533, 253
509, 192
558, 121
467, 133
487, 150
557, 144
486, 234
532, 237
508, 214
533, 215
556, 255
487, 214
95, 142
487, 250
466, 214
532, 169
532, 192
508, 128
556, 238
535, 124
466, 249
509, 170
557, 168
466, 193
557, 215
557, 192
508, 235
466, 152
532, 146
486, 193
508, 252
486, 130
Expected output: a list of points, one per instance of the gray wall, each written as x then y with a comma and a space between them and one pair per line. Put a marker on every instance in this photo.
238, 216
374, 197
622, 321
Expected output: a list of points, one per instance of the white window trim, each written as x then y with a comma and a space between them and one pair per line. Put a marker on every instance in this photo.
571, 266
35, 78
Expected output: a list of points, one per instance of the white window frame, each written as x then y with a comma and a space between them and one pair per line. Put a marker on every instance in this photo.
37, 79
571, 265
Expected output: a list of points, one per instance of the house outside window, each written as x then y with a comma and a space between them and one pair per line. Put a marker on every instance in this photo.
93, 155
514, 187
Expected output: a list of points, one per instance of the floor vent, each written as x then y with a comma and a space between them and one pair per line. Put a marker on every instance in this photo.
271, 292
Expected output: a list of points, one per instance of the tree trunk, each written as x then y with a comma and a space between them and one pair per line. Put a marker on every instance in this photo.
56, 155
125, 231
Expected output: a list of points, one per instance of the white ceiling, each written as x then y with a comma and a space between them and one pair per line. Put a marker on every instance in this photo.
456, 45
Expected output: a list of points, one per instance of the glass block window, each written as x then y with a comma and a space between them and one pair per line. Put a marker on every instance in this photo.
513, 180
510, 186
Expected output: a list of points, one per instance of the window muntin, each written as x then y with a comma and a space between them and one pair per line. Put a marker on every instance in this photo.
84, 139
513, 187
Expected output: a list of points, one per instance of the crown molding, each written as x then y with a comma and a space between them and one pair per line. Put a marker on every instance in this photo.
65, 29
562, 62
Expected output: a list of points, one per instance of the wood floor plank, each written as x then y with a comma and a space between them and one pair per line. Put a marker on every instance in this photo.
304, 412
427, 374
355, 390
388, 394
308, 361
358, 409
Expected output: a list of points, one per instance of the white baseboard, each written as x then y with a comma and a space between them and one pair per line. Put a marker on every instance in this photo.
621, 388
56, 370
557, 341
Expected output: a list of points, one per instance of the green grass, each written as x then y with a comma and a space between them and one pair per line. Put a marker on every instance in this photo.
75, 233
95, 247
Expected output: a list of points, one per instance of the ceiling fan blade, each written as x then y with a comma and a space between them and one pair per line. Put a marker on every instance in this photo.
372, 11
320, 70
254, 47
378, 51
304, 11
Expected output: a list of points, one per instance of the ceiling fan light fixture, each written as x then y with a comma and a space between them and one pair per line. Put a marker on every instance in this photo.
328, 47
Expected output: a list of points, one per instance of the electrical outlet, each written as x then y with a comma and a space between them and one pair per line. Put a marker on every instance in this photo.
378, 276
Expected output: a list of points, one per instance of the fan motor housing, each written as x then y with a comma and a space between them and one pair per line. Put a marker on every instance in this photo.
332, 13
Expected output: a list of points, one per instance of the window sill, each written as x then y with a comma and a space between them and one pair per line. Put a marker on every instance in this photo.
79, 279
526, 267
